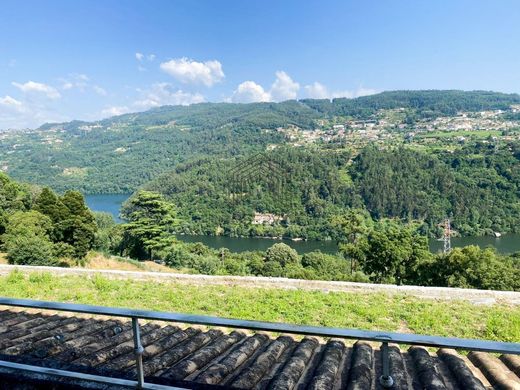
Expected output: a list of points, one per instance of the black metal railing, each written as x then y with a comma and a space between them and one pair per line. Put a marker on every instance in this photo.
135, 315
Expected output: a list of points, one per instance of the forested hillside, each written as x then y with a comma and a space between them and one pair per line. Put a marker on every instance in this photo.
478, 187
119, 154
430, 103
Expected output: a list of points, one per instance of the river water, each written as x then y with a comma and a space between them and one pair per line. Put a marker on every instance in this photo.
508, 243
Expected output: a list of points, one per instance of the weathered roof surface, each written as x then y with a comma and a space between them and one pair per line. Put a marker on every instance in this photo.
198, 357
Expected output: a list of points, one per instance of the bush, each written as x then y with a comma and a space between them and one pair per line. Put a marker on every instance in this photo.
31, 250
179, 257
282, 254
62, 250
472, 267
273, 269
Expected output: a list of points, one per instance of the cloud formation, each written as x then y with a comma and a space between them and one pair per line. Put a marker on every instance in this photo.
11, 103
284, 88
161, 94
114, 111
40, 88
317, 90
249, 92
99, 90
190, 71
24, 113
75, 81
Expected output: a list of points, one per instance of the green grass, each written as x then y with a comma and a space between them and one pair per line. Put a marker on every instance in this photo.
337, 309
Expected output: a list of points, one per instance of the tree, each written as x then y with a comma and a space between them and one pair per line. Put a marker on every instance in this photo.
105, 231
472, 267
393, 252
76, 226
13, 197
353, 227
152, 221
49, 203
27, 239
282, 254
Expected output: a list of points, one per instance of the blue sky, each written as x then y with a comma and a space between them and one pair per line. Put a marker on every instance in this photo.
63, 60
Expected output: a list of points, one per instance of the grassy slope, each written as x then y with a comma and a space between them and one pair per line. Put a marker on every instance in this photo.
354, 310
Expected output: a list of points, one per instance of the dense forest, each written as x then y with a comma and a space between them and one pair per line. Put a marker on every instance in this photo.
38, 227
119, 154
477, 186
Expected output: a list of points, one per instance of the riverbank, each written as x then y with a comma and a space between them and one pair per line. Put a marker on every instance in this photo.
111, 203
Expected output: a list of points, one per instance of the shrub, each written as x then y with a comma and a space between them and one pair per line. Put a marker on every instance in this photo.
282, 254
30, 250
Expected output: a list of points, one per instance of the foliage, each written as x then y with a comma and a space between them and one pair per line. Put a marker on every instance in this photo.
282, 254
477, 186
151, 222
40, 227
30, 250
472, 267
27, 239
392, 253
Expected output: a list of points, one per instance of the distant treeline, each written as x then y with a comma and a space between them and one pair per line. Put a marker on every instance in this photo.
427, 104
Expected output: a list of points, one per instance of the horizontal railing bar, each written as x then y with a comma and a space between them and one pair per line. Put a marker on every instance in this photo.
84, 377
399, 338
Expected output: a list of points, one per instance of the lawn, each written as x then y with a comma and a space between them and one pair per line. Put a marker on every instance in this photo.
339, 309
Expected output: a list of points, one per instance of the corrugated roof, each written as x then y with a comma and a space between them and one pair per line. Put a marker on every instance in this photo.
199, 357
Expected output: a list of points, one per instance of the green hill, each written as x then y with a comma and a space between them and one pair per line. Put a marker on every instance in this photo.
478, 186
119, 154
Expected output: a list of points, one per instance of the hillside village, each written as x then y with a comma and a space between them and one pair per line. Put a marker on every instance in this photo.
394, 125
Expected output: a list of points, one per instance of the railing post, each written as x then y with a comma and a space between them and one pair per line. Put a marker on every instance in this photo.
385, 380
138, 352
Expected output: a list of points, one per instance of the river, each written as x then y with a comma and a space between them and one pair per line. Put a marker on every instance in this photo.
508, 243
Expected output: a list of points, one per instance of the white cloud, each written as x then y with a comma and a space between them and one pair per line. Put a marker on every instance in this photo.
150, 57
161, 94
317, 90
139, 56
75, 81
114, 111
361, 91
100, 91
26, 113
249, 92
31, 86
189, 71
12, 103
284, 88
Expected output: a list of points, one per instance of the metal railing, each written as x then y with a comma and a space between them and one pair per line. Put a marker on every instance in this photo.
135, 315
